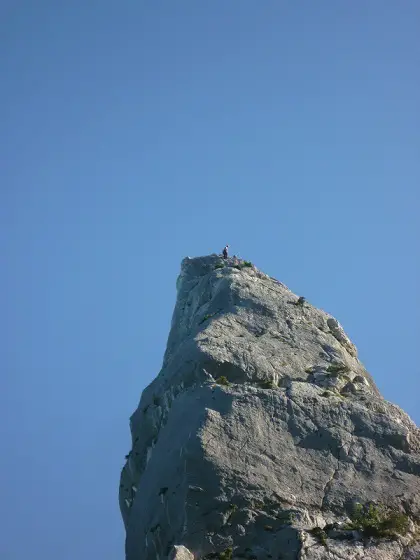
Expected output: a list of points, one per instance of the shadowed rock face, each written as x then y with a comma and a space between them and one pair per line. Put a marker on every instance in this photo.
261, 433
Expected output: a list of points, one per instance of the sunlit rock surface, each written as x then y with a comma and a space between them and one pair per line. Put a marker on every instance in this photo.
262, 432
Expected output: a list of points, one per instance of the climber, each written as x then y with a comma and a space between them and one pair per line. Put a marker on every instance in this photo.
225, 252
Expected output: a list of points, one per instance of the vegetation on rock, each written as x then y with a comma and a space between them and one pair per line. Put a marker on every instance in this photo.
320, 535
378, 521
222, 380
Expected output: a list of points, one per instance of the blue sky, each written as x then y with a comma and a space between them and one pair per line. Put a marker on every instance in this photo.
135, 133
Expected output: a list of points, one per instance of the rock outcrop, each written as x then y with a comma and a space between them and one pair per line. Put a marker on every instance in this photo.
264, 436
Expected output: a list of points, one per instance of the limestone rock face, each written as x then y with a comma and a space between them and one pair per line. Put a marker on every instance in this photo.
264, 436
181, 553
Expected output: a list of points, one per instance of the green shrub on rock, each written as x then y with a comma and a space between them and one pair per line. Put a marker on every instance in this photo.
225, 555
338, 368
378, 521
222, 380
268, 384
320, 535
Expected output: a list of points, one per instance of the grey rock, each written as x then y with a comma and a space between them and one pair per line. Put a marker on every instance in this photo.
180, 553
262, 426
338, 332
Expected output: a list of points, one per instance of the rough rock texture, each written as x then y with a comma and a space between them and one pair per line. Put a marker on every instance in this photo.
262, 432
180, 553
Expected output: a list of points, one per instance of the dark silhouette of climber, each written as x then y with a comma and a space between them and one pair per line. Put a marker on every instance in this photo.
225, 252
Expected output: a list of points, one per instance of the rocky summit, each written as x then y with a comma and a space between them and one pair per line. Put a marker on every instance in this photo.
263, 436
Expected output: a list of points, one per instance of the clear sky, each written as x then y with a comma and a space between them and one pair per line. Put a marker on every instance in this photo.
135, 133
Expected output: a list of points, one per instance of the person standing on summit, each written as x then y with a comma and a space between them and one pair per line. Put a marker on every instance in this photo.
225, 252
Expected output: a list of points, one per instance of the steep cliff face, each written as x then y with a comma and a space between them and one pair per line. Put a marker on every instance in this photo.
263, 436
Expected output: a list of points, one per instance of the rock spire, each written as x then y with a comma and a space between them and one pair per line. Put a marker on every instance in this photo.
263, 436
